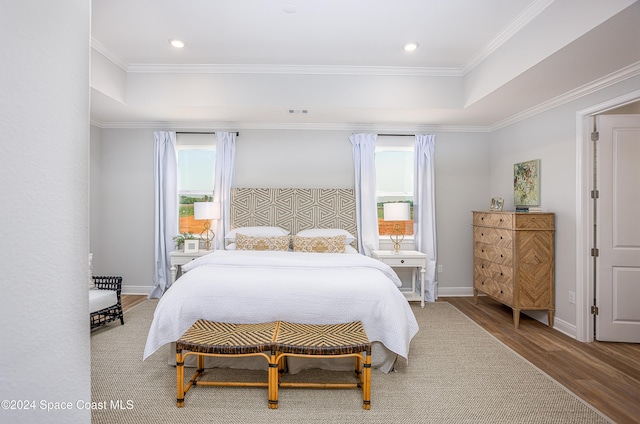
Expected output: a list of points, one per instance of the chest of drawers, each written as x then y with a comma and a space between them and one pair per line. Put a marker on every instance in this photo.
513, 260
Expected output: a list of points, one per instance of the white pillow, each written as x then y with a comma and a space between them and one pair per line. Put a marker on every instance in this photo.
327, 232
256, 232
350, 249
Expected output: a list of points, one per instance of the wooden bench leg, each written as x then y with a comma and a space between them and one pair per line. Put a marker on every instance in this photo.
179, 379
274, 379
366, 385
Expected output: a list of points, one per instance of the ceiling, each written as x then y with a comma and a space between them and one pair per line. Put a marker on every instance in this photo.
247, 63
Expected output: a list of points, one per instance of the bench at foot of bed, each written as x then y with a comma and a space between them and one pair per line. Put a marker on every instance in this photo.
325, 341
275, 341
208, 338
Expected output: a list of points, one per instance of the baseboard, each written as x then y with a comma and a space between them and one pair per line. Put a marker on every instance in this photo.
455, 291
565, 328
560, 325
136, 290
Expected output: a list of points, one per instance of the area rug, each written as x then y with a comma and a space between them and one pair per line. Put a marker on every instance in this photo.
456, 373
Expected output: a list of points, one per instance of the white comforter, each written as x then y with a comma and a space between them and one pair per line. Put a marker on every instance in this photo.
259, 286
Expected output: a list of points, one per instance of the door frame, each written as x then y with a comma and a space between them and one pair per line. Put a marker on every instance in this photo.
584, 212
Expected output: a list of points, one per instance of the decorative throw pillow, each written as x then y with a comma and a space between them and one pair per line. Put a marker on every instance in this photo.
334, 244
262, 243
327, 232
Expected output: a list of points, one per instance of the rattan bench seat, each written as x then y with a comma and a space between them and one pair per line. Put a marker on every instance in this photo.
274, 341
322, 339
227, 338
325, 340
210, 338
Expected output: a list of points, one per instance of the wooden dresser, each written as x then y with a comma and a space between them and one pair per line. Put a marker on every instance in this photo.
513, 260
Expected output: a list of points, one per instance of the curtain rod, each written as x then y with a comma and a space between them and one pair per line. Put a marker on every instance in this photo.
200, 132
396, 135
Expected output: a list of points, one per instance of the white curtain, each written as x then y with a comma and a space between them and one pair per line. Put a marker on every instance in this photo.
224, 180
364, 146
165, 174
424, 210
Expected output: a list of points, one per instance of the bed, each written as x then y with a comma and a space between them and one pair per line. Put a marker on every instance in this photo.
299, 283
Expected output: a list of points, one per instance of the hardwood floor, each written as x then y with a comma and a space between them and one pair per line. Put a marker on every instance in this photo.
605, 375
130, 300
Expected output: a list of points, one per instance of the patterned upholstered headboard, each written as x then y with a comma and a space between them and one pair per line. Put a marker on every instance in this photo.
294, 209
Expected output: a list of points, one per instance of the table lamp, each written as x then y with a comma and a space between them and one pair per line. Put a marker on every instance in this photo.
206, 211
396, 212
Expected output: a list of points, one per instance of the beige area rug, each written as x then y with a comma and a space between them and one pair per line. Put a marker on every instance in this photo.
457, 373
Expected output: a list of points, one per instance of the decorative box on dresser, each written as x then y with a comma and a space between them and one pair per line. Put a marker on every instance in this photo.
513, 260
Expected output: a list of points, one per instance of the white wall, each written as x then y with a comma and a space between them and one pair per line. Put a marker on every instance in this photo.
45, 236
278, 158
95, 193
123, 239
551, 137
294, 158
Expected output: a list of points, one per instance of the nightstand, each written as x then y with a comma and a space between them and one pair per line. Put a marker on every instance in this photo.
407, 259
179, 258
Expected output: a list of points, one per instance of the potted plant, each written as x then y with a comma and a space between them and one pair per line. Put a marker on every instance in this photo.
180, 238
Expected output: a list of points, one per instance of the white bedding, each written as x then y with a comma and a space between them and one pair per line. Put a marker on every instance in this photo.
260, 286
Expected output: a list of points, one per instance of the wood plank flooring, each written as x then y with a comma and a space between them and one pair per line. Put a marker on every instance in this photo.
605, 375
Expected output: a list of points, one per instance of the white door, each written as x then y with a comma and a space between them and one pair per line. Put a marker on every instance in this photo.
618, 229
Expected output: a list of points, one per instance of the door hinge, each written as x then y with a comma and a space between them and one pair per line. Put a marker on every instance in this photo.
595, 194
595, 136
595, 252
594, 310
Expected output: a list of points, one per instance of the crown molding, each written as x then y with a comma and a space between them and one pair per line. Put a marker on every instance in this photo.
261, 126
606, 81
100, 48
528, 15
292, 70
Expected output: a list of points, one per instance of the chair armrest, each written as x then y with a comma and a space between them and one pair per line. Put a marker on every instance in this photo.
109, 283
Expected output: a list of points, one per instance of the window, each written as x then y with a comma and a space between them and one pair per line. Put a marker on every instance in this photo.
196, 173
394, 178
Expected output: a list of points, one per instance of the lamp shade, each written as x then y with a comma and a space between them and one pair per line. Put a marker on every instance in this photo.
206, 210
396, 211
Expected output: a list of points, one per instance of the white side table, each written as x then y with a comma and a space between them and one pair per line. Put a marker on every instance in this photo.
407, 259
179, 258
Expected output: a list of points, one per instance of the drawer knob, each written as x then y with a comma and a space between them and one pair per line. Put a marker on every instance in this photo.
500, 291
502, 256
401, 261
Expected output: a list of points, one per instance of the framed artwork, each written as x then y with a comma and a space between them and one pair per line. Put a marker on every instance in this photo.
496, 204
526, 183
191, 246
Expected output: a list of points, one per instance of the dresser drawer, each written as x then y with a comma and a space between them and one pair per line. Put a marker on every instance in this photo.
489, 219
499, 273
494, 236
491, 253
499, 291
406, 262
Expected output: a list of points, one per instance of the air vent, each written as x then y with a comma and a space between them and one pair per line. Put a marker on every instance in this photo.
295, 111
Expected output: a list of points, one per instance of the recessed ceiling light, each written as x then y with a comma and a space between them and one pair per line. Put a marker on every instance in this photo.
411, 46
289, 8
178, 44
